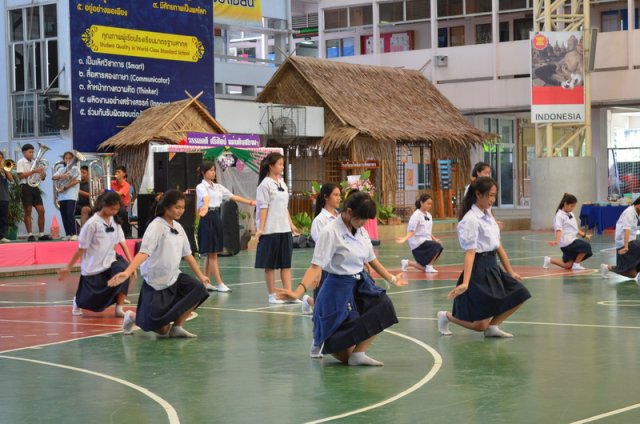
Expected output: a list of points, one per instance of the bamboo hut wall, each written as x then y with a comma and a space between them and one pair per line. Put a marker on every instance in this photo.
134, 158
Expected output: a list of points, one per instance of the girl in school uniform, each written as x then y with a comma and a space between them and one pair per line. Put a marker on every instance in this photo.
210, 196
485, 294
425, 247
627, 247
96, 248
167, 295
565, 225
67, 184
274, 225
350, 309
480, 169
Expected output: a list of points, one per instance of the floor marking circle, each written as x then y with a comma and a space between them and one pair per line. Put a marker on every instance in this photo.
172, 415
23, 284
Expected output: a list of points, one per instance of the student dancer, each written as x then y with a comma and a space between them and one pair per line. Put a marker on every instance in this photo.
627, 247
350, 309
275, 228
210, 197
67, 185
425, 247
99, 262
565, 224
5, 179
485, 294
480, 169
167, 295
31, 195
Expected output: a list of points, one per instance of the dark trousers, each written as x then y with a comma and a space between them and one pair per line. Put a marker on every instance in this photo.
4, 218
67, 211
126, 227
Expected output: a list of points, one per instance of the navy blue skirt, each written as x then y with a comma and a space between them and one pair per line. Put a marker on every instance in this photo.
425, 253
210, 232
274, 251
349, 311
93, 292
491, 291
630, 260
157, 308
571, 252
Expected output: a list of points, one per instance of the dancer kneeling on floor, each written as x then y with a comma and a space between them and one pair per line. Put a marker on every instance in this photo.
425, 247
485, 295
627, 247
99, 262
565, 225
167, 295
350, 309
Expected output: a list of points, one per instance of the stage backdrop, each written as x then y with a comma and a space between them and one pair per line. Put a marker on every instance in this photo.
130, 55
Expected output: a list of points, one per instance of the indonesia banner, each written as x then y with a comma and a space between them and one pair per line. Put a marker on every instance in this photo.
557, 77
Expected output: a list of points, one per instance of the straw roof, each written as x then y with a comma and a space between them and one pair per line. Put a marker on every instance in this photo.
168, 123
368, 109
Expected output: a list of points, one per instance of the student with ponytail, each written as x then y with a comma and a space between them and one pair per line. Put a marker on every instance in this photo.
627, 247
565, 225
485, 295
425, 247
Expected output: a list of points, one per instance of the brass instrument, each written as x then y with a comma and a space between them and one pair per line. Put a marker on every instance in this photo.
39, 162
7, 166
71, 169
99, 175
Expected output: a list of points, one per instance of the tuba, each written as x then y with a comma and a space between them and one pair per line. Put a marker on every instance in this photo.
39, 162
71, 169
99, 176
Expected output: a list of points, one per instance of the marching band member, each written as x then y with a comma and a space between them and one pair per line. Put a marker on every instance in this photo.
31, 195
5, 179
67, 180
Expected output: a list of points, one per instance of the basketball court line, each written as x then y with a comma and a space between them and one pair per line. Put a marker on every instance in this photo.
553, 324
172, 415
608, 414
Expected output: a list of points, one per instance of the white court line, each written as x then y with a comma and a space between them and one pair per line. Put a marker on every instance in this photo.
437, 359
608, 414
172, 415
58, 323
255, 311
553, 324
623, 303
419, 290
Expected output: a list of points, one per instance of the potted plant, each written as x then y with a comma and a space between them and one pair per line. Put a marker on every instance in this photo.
302, 221
16, 212
387, 216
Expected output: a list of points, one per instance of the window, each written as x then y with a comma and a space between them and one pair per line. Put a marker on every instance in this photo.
33, 49
501, 157
449, 8
451, 37
512, 4
341, 47
418, 9
336, 18
483, 33
391, 12
504, 31
522, 28
478, 6
617, 20
360, 15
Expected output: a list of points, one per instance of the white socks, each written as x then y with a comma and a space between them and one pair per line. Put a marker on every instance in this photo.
361, 358
443, 323
494, 331
127, 323
178, 331
119, 311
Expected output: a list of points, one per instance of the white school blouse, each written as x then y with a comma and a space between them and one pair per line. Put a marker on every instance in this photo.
627, 221
23, 165
71, 193
421, 226
99, 245
339, 252
165, 250
567, 223
479, 230
274, 195
320, 222
217, 194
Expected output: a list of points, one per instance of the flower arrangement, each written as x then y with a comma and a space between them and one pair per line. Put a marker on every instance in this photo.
358, 182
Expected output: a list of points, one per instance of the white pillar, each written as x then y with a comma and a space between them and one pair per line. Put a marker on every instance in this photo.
631, 14
376, 29
495, 36
322, 50
434, 38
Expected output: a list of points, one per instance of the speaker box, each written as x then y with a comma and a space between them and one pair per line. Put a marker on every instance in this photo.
146, 211
230, 228
57, 112
169, 171
194, 159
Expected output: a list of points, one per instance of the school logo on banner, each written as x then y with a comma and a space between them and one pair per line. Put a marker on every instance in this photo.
557, 77
238, 12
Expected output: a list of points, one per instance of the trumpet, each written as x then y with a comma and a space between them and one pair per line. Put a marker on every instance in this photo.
8, 165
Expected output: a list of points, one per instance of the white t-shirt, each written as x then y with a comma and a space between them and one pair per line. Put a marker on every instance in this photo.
274, 195
627, 221
165, 250
478, 230
71, 193
320, 222
23, 165
99, 244
421, 224
339, 252
567, 223
217, 194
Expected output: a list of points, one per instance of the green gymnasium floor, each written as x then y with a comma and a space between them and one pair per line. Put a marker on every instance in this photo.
575, 356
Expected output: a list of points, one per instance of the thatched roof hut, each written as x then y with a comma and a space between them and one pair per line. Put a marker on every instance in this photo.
369, 109
168, 123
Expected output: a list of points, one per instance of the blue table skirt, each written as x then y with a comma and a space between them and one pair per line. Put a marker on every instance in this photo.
600, 217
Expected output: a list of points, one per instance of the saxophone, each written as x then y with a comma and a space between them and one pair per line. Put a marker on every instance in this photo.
34, 180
